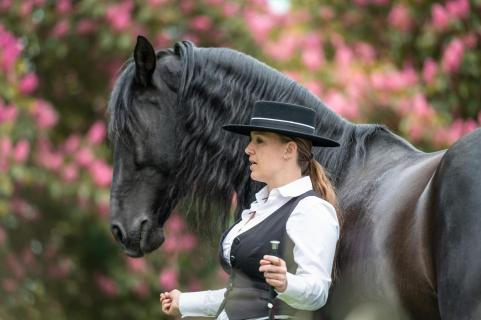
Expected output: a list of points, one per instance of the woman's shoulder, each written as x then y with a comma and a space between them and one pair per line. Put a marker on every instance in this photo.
315, 206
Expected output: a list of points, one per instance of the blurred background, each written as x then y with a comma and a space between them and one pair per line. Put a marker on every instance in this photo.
414, 66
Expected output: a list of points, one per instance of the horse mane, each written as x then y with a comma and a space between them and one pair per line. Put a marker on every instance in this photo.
219, 86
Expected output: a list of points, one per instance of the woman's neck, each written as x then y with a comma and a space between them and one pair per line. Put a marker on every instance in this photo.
283, 178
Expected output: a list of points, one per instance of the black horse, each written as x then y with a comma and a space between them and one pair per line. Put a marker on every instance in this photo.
411, 244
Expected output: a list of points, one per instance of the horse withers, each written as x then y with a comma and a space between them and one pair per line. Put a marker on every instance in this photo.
410, 245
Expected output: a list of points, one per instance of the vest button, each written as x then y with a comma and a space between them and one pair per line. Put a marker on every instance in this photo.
232, 260
236, 240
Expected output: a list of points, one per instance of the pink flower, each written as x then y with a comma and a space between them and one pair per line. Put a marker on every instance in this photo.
430, 69
106, 285
415, 131
400, 18
8, 113
365, 51
44, 114
421, 107
175, 224
72, 143
168, 279
119, 15
84, 157
60, 29
171, 245
28, 83
63, 6
155, 3
142, 289
9, 285
470, 40
458, 8
10, 49
101, 173
284, 48
453, 56
313, 87
230, 9
201, 23
86, 26
188, 242
440, 17
344, 56
260, 25
96, 133
312, 54
70, 172
48, 158
138, 265
5, 5
26, 8
60, 269
186, 6
21, 151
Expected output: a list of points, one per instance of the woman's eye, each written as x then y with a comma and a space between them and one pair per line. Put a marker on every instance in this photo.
259, 140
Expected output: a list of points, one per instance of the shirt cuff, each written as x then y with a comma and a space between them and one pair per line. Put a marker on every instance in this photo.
201, 303
295, 289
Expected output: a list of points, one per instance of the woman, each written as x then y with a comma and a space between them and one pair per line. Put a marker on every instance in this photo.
296, 206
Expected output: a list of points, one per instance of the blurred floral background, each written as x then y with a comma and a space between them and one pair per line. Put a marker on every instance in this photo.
414, 66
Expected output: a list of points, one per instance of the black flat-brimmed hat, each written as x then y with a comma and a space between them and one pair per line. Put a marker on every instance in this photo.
288, 119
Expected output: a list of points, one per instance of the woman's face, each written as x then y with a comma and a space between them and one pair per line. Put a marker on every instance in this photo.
265, 151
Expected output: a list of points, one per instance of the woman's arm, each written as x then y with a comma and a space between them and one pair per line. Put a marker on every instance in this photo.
201, 303
314, 229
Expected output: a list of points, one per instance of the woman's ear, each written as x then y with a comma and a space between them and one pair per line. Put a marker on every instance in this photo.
291, 150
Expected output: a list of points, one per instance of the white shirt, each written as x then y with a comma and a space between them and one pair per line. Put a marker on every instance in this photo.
314, 229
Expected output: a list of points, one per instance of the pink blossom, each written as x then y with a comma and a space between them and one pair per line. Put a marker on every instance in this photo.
155, 3
415, 131
175, 223
171, 244
5, 5
72, 143
84, 157
142, 289
259, 24
101, 173
168, 279
470, 125
44, 114
284, 48
96, 133
60, 269
312, 54
106, 285
186, 6
119, 15
47, 157
344, 56
103, 209
440, 17
421, 107
70, 172
188, 242
201, 23
8, 113
342, 105
21, 151
26, 8
28, 83
230, 8
453, 56
430, 69
365, 51
400, 18
63, 6
456, 130
10, 49
326, 13
86, 26
9, 285
60, 29
3, 236
458, 8
470, 40
138, 265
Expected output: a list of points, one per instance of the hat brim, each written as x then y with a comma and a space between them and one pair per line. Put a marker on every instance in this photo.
317, 141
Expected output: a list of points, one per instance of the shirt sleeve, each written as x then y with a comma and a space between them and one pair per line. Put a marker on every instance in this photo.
201, 303
314, 229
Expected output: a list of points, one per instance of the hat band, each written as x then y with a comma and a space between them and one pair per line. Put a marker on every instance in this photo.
282, 124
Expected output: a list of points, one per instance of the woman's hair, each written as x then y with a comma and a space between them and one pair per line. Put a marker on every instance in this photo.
320, 181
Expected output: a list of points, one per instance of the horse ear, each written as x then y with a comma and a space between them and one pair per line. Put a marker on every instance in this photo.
145, 60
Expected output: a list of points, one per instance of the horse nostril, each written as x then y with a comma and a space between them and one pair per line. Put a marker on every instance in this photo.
117, 233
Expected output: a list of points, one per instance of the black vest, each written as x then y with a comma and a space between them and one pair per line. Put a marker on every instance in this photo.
248, 294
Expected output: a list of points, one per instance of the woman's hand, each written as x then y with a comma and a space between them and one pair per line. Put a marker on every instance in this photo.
275, 272
170, 302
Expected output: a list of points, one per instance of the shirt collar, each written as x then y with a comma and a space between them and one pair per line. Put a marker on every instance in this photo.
292, 189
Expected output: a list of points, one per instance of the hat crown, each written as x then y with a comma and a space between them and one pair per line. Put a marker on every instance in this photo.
283, 111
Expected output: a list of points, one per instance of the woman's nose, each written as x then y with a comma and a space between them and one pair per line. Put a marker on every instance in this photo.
248, 149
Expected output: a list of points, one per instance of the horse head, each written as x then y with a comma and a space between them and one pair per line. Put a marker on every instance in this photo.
142, 115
